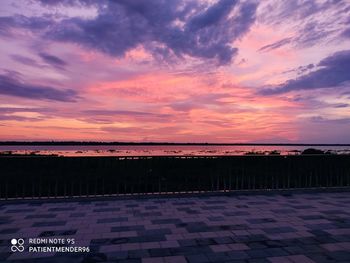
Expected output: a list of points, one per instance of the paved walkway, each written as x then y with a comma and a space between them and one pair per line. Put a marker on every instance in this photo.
298, 228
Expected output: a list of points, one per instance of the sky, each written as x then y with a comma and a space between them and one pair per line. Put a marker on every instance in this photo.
227, 71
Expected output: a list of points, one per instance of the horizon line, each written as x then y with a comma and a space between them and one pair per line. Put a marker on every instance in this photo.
52, 142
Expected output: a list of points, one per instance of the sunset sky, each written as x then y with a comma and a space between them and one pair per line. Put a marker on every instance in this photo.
175, 71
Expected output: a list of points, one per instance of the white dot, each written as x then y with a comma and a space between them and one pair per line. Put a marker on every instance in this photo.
13, 241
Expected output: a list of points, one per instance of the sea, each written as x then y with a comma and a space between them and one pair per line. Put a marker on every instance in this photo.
164, 150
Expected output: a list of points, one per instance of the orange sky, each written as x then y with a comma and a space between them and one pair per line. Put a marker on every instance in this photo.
249, 81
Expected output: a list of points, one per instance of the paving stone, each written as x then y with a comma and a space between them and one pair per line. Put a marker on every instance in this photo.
8, 231
256, 245
112, 220
220, 248
218, 257
261, 220
300, 259
127, 228
175, 259
142, 253
15, 211
278, 230
166, 221
258, 260
153, 260
58, 233
61, 209
223, 240
266, 228
117, 255
201, 258
276, 252
258, 253
294, 250
237, 255
238, 246
281, 259
159, 252
41, 216
340, 255
43, 224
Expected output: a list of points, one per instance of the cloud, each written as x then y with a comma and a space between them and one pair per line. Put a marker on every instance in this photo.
277, 44
7, 23
346, 33
333, 71
168, 29
17, 118
341, 105
320, 119
25, 60
11, 86
6, 110
65, 2
308, 35
313, 33
199, 101
102, 116
312, 21
14, 113
53, 60
122, 112
301, 69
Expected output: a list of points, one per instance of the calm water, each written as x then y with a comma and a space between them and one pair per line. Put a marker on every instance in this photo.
156, 150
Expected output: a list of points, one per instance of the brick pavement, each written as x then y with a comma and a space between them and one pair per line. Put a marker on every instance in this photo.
309, 227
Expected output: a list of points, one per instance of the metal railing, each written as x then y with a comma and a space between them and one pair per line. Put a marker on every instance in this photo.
41, 177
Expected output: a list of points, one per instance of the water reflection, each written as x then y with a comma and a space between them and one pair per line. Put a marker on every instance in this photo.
167, 150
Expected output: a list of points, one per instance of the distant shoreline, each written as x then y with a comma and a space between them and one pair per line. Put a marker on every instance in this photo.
92, 143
